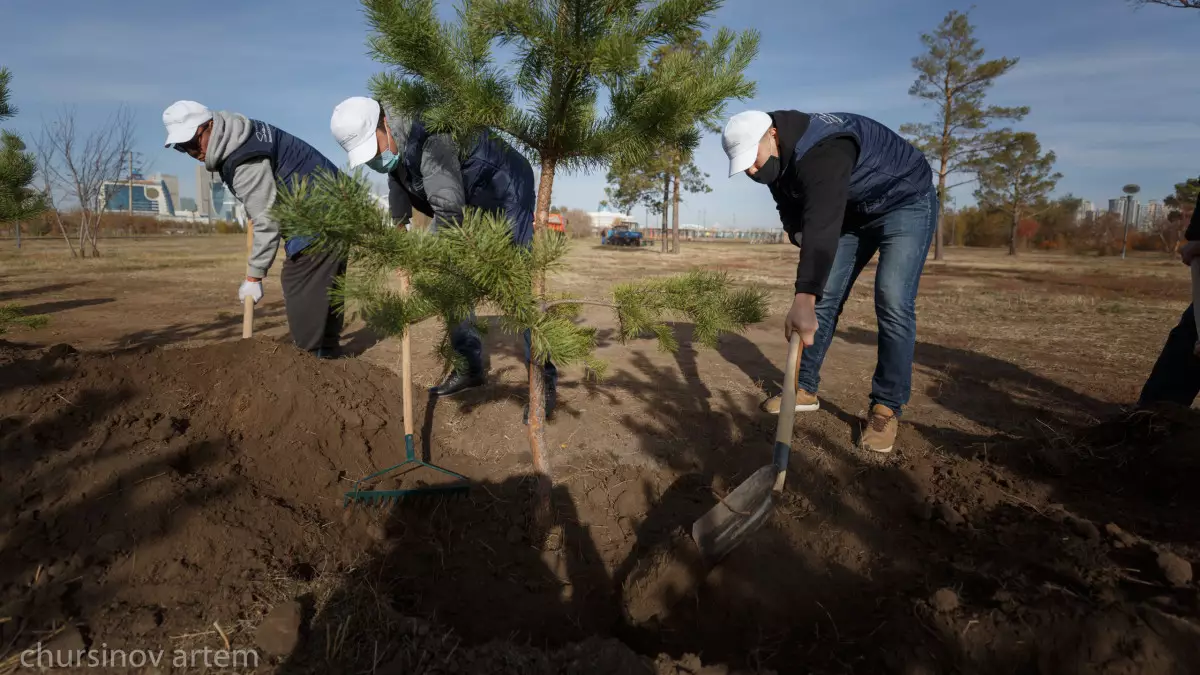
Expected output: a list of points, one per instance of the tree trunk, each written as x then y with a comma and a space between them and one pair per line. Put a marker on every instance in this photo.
945, 163
18, 234
537, 392
675, 218
1012, 233
666, 203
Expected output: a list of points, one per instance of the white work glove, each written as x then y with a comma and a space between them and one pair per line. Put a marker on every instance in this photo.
250, 289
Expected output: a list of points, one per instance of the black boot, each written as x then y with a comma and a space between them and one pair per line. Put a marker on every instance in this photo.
458, 382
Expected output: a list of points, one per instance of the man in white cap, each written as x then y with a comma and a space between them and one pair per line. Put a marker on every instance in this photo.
426, 171
846, 186
252, 158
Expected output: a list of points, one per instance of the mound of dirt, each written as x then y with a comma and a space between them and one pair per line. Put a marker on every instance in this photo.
192, 498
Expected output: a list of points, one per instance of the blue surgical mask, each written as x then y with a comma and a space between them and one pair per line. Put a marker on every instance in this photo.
384, 162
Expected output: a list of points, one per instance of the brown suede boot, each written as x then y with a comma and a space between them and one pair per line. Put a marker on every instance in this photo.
880, 434
805, 402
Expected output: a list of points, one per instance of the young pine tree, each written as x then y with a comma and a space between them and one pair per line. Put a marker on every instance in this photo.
475, 263
568, 54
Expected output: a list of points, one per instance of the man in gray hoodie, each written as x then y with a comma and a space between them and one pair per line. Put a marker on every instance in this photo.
252, 157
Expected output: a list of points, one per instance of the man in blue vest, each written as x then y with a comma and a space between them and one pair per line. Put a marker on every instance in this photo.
252, 157
427, 172
846, 186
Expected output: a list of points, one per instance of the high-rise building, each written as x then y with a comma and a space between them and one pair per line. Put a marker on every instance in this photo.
187, 204
1154, 212
1117, 207
172, 184
1133, 209
204, 201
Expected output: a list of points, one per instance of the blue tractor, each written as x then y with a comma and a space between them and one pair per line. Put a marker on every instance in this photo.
620, 235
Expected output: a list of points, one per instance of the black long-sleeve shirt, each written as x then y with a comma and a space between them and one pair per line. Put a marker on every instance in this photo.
815, 213
811, 194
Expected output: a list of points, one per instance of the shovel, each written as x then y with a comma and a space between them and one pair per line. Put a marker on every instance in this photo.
742, 512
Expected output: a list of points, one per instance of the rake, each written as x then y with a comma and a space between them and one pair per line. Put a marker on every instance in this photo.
363, 495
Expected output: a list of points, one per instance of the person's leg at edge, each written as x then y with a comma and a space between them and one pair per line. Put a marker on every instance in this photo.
906, 235
1175, 377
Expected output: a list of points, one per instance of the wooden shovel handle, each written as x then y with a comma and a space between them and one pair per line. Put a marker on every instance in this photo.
787, 411
248, 302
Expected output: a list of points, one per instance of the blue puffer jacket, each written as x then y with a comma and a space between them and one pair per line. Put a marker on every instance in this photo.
291, 159
889, 172
440, 182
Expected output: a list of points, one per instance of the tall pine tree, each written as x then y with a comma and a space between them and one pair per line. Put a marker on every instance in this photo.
953, 75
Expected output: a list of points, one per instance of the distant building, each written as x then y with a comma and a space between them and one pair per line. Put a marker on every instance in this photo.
204, 205
186, 204
172, 183
1117, 207
1154, 212
149, 196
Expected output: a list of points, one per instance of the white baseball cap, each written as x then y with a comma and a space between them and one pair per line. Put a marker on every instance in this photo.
182, 118
741, 137
353, 125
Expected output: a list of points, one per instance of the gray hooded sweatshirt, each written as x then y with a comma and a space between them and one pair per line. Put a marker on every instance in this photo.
253, 183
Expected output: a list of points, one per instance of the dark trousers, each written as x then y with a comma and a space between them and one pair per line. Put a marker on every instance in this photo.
902, 237
1176, 375
307, 279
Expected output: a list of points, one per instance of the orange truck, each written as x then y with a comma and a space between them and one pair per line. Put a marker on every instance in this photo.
556, 223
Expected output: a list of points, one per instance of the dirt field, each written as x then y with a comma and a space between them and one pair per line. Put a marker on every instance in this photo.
166, 485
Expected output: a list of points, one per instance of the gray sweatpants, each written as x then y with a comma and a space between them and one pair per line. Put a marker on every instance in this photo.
307, 278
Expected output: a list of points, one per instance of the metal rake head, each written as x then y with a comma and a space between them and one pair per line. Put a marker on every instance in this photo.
390, 497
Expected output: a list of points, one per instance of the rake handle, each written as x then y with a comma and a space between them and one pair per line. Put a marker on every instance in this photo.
406, 364
787, 411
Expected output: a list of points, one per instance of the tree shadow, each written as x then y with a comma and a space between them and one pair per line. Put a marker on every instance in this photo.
38, 290
224, 326
63, 305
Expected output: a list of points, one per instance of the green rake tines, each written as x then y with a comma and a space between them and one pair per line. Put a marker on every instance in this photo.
383, 497
386, 497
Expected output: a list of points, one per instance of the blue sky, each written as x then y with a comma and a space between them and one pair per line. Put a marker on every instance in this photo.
1112, 89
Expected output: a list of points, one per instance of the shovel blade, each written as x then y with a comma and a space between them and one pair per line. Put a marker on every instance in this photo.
740, 515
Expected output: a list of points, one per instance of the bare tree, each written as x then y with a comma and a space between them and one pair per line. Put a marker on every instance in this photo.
78, 165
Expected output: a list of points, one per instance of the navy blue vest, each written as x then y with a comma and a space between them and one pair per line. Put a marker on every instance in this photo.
889, 172
291, 160
495, 177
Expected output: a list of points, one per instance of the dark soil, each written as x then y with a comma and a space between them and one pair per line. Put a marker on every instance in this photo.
181, 497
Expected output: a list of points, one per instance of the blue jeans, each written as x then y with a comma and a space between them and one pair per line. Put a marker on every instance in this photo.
467, 342
902, 236
1176, 374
